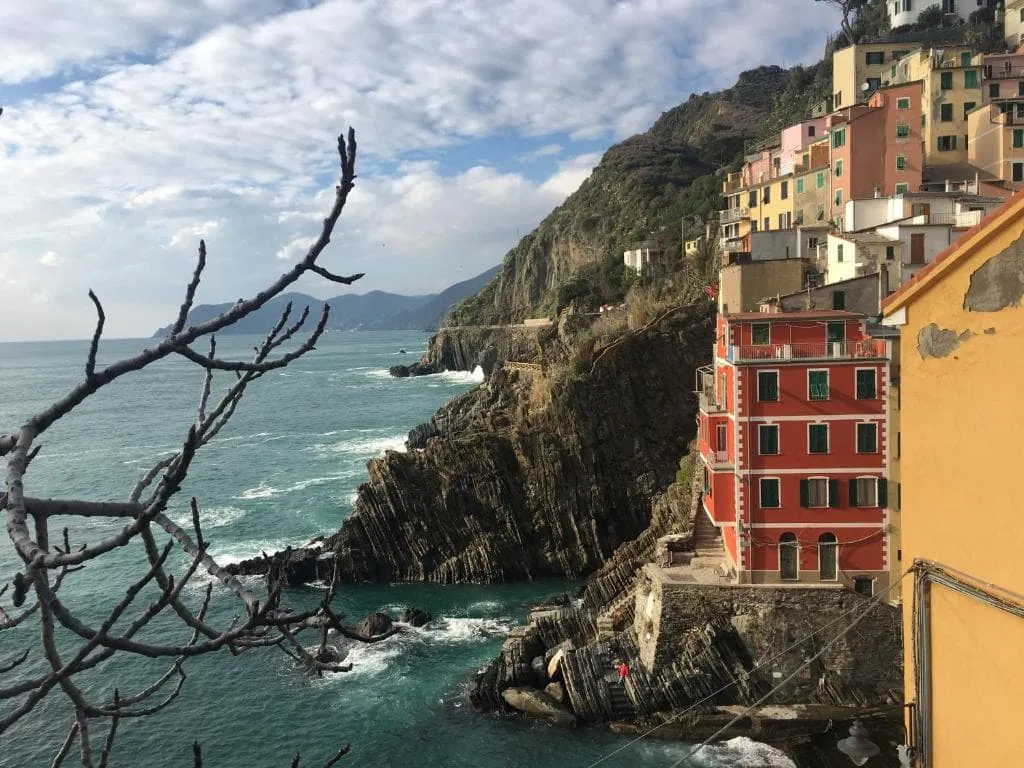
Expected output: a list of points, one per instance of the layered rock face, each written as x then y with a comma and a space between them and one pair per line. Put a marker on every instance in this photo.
465, 348
533, 475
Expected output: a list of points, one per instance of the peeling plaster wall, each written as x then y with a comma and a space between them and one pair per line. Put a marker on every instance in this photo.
961, 417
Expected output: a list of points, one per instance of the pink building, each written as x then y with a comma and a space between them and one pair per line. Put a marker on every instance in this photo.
795, 141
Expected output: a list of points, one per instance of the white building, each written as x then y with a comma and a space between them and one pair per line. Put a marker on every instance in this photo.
643, 258
904, 12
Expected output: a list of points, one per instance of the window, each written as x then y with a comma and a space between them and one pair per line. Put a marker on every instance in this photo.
902, 189
874, 83
946, 113
993, 90
839, 138
839, 168
766, 195
752, 199
835, 331
868, 492
901, 162
819, 492
769, 493
768, 439
867, 438
1018, 171
965, 57
968, 106
838, 299
767, 224
890, 253
821, 179
839, 253
970, 77
866, 384
789, 557
820, 212
839, 223
784, 221
828, 557
817, 385
839, 197
784, 190
902, 103
1020, 88
946, 81
812, 242
1018, 138
760, 333
767, 386
947, 143
864, 585
753, 225
810, 130
799, 186
721, 438
897, 55
902, 131
875, 57
817, 438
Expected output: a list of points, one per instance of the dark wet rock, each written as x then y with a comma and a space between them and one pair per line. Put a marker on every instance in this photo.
538, 704
298, 566
557, 692
540, 675
375, 624
414, 617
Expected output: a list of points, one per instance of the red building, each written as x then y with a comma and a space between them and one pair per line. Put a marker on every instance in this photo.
792, 436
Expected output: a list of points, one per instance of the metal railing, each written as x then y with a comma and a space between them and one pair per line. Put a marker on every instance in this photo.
730, 215
992, 72
833, 350
705, 388
957, 219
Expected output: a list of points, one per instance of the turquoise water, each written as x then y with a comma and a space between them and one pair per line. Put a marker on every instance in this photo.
286, 468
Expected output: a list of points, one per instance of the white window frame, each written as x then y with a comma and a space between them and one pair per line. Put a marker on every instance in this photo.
860, 504
760, 494
828, 439
758, 343
779, 547
778, 438
825, 480
757, 385
828, 383
874, 375
856, 437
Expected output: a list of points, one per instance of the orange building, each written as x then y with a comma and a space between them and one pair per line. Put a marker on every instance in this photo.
876, 148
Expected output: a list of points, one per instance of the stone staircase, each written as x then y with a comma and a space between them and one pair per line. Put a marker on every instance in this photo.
621, 703
606, 625
707, 539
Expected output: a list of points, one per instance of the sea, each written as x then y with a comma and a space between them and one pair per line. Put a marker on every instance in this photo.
286, 468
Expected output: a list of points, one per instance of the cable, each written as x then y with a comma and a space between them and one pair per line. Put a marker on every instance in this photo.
760, 702
876, 599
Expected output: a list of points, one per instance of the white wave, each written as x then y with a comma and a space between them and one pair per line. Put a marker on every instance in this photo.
377, 373
462, 630
350, 499
237, 551
364, 447
370, 660
302, 485
484, 606
463, 377
743, 752
212, 517
261, 491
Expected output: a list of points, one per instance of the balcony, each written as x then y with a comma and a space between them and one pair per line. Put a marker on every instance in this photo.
1002, 73
731, 215
705, 389
834, 350
716, 460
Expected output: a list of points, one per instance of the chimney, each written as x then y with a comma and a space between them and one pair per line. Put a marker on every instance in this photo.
883, 284
949, 185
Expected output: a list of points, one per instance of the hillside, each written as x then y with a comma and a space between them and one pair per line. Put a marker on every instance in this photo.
644, 185
373, 311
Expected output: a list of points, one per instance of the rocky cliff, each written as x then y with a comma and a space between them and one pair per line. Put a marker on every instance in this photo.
465, 348
534, 474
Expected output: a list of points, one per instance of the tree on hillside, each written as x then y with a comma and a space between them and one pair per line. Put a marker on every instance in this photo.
66, 643
931, 17
849, 10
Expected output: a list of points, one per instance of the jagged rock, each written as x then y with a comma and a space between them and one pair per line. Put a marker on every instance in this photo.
539, 704
557, 692
419, 435
566, 645
511, 668
416, 369
414, 617
302, 565
540, 674
375, 624
555, 665
522, 486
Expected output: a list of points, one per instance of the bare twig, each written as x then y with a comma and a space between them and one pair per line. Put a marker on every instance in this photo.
101, 318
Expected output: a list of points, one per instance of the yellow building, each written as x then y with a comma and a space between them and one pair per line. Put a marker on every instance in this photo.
962, 537
771, 204
1013, 23
997, 143
864, 64
951, 88
734, 219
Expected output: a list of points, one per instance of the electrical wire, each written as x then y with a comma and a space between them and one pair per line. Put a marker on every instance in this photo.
764, 662
760, 702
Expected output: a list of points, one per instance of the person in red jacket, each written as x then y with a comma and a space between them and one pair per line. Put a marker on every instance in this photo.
623, 672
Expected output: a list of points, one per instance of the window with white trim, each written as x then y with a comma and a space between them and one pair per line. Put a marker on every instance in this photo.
767, 386
867, 384
760, 333
816, 492
817, 385
769, 493
867, 438
864, 492
768, 439
817, 438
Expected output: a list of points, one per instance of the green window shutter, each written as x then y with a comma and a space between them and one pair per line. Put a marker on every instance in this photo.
883, 492
853, 493
833, 492
805, 493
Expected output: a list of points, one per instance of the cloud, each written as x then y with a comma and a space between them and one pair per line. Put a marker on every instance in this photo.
296, 249
168, 119
49, 259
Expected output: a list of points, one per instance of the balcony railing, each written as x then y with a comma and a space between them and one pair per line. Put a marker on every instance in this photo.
706, 390
995, 72
730, 215
720, 457
833, 350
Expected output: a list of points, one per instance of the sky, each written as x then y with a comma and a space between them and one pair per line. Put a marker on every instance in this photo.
133, 128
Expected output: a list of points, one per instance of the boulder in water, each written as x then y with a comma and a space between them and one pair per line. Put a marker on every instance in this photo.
539, 671
414, 617
538, 704
557, 692
375, 624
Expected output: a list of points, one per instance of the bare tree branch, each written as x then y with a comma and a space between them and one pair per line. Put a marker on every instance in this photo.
101, 318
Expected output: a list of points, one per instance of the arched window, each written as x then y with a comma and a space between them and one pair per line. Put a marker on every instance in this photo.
828, 557
789, 557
